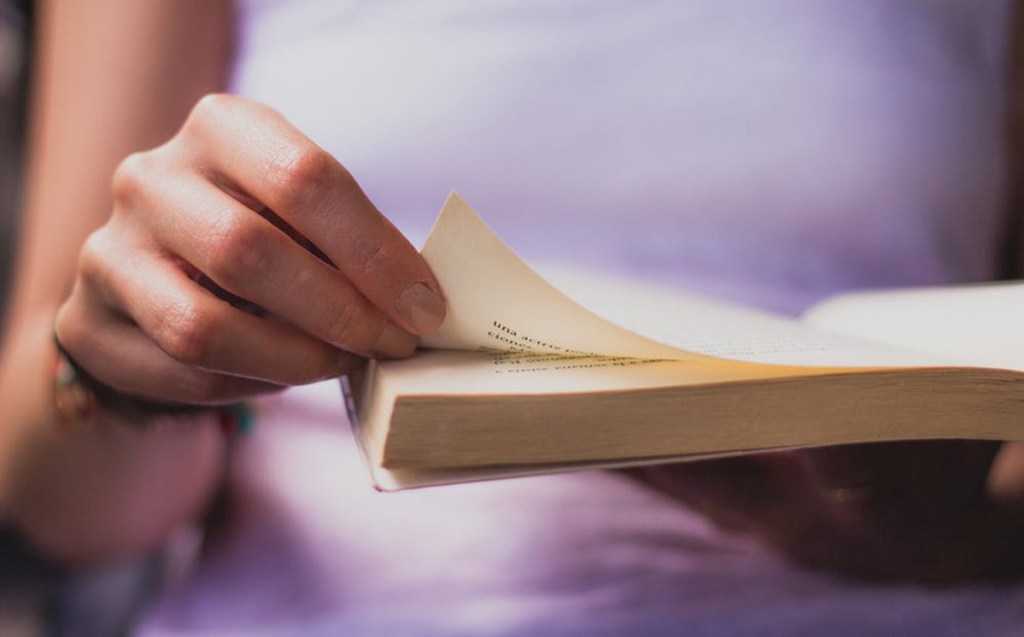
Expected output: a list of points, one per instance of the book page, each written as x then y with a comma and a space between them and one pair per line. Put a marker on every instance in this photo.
724, 330
450, 372
977, 324
496, 302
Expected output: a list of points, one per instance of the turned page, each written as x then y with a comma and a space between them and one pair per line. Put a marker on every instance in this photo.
496, 302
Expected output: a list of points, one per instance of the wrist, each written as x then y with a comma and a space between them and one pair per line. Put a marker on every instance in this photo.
79, 397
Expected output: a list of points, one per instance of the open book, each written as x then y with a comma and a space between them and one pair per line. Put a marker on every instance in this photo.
521, 379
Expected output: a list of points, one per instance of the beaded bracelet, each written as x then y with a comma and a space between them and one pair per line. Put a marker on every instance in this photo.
79, 397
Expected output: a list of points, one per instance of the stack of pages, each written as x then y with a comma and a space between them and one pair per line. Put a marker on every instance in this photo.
522, 379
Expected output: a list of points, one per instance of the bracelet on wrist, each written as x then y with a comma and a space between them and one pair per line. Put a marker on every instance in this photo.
78, 398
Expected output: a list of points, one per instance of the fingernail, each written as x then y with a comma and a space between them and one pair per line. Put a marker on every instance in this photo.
394, 342
421, 307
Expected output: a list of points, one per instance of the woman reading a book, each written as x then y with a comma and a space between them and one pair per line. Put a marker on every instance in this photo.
183, 253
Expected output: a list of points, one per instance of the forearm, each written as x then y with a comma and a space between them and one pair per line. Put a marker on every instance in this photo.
111, 78
103, 488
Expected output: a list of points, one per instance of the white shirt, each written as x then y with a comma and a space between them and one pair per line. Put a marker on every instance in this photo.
770, 151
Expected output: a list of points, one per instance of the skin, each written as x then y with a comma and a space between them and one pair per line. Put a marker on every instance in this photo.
202, 250
105, 490
920, 511
237, 203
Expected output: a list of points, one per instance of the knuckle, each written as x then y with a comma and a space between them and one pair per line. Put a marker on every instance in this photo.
344, 325
299, 172
371, 256
188, 336
73, 326
209, 108
93, 259
238, 251
130, 177
103, 270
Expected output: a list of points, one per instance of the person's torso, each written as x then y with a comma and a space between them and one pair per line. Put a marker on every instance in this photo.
772, 152
769, 151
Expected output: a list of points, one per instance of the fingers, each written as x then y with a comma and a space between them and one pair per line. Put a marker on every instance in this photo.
906, 510
126, 360
892, 509
199, 330
845, 482
246, 255
879, 476
242, 203
253, 149
737, 493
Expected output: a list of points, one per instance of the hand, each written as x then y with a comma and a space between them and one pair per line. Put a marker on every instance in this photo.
916, 510
241, 258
